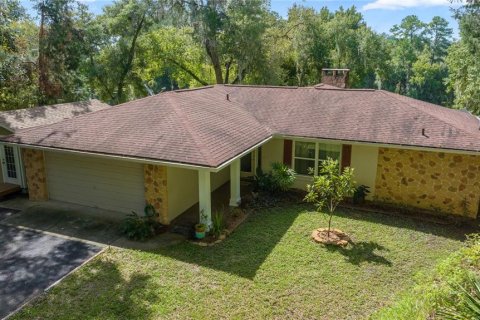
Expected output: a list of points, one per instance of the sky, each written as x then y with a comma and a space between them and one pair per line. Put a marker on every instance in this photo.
381, 15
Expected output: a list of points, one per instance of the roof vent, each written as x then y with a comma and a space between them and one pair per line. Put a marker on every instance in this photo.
335, 77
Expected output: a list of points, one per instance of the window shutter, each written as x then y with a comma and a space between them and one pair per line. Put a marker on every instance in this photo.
346, 155
287, 152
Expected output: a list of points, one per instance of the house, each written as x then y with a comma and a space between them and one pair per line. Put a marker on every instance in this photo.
173, 149
11, 170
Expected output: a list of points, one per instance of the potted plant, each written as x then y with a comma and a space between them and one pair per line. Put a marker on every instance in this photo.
201, 227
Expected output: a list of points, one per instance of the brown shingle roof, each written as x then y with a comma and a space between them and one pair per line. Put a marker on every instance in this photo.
30, 117
204, 127
197, 127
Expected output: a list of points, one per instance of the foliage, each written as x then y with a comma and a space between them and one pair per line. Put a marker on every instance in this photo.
467, 304
464, 59
330, 188
136, 48
137, 227
360, 193
439, 287
279, 179
218, 223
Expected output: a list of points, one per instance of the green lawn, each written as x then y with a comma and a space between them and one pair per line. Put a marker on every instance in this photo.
269, 268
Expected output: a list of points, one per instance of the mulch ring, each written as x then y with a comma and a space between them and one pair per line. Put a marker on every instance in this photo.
336, 237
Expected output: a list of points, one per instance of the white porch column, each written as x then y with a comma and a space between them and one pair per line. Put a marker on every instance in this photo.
235, 183
205, 197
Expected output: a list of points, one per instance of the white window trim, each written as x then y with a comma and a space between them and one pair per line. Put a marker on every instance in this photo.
317, 147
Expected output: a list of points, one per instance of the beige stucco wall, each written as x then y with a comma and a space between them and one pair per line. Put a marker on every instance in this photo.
438, 181
364, 162
218, 179
272, 151
182, 188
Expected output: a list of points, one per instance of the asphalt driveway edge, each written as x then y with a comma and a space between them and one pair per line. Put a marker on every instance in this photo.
103, 248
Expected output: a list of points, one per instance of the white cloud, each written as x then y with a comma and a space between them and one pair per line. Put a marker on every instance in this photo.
396, 4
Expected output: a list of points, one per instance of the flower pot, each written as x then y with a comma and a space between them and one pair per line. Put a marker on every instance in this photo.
199, 234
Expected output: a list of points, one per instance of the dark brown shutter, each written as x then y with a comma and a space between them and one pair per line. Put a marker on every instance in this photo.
346, 155
287, 152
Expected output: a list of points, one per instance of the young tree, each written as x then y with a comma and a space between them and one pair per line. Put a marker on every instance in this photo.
330, 188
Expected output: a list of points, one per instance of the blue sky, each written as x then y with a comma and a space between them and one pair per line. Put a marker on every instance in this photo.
381, 15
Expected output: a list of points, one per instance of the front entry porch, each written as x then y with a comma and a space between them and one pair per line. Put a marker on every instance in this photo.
220, 199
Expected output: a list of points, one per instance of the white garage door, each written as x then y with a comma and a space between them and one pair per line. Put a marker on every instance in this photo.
95, 182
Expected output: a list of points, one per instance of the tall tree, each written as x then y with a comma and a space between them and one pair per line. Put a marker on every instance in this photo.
62, 47
17, 57
231, 33
464, 59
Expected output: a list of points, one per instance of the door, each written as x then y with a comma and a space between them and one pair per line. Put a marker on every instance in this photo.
96, 182
10, 165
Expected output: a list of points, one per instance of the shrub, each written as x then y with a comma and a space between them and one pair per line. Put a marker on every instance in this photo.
466, 304
330, 188
360, 193
279, 179
137, 227
218, 224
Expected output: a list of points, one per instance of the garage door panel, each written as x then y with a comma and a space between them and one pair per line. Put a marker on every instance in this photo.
103, 183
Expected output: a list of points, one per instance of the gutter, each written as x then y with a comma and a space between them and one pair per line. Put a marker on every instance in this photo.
109, 156
141, 160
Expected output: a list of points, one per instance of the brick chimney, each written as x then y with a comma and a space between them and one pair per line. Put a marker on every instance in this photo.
335, 77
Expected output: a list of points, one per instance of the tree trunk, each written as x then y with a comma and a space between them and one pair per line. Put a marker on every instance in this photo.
329, 224
128, 65
211, 48
42, 68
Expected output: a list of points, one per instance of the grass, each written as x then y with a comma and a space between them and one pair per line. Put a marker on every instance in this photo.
269, 268
436, 288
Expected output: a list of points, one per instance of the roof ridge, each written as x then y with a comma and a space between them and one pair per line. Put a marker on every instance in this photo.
187, 125
260, 86
394, 96
193, 89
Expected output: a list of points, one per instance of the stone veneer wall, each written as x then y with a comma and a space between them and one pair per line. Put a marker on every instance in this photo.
438, 181
35, 173
156, 190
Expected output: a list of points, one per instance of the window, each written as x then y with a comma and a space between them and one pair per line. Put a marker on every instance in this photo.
325, 151
311, 154
304, 157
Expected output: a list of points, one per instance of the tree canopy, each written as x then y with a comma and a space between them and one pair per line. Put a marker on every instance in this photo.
139, 47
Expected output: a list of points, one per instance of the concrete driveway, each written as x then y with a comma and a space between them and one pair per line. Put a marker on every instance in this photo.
31, 261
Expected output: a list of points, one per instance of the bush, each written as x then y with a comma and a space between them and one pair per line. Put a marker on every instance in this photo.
466, 304
218, 224
279, 179
140, 228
